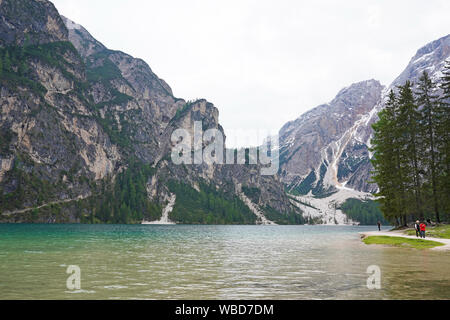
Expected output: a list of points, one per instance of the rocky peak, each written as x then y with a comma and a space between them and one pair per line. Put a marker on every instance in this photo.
355, 99
309, 143
129, 75
82, 39
357, 94
30, 22
430, 58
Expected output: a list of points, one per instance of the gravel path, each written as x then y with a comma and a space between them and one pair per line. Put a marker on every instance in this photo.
445, 247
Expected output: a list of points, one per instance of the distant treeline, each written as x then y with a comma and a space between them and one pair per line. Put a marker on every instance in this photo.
207, 206
412, 151
125, 201
366, 212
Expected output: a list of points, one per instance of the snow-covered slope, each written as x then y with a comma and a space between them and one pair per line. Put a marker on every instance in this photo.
325, 210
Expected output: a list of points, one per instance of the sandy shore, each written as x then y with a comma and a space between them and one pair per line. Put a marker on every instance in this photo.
445, 247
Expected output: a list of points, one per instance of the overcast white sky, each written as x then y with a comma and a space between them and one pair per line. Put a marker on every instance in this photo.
263, 63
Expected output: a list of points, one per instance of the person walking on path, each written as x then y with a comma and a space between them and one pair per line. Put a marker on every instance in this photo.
417, 228
379, 225
423, 227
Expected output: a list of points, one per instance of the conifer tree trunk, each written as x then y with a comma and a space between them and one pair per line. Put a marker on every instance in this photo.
429, 104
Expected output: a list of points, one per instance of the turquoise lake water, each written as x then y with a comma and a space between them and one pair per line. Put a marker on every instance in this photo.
212, 262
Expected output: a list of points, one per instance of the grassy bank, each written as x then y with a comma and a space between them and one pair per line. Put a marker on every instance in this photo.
402, 242
441, 231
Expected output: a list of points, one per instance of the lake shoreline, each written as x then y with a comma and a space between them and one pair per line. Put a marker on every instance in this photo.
397, 233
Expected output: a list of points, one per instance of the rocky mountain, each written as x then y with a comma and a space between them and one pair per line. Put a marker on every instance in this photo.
323, 148
324, 154
86, 136
430, 58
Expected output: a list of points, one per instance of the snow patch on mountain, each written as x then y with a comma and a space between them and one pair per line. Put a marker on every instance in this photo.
165, 213
72, 25
261, 218
325, 210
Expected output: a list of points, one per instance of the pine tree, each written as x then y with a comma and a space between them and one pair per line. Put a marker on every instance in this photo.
23, 68
387, 173
7, 62
411, 146
445, 85
443, 133
410, 141
124, 213
428, 102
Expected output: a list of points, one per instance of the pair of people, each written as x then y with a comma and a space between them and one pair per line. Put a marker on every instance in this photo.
420, 229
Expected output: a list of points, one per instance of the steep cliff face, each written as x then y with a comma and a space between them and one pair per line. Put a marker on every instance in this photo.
83, 125
132, 103
30, 22
52, 146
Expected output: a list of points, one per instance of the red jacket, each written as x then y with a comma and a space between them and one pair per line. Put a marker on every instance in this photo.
423, 227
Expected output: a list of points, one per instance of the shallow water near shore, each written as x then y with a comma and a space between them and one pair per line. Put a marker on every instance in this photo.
212, 262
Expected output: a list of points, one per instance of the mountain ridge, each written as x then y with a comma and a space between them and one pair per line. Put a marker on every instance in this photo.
86, 137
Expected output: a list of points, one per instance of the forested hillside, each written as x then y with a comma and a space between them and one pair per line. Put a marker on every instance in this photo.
366, 212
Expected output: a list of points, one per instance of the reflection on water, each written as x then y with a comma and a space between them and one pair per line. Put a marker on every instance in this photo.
211, 262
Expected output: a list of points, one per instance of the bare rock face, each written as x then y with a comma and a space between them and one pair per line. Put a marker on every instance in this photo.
30, 22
